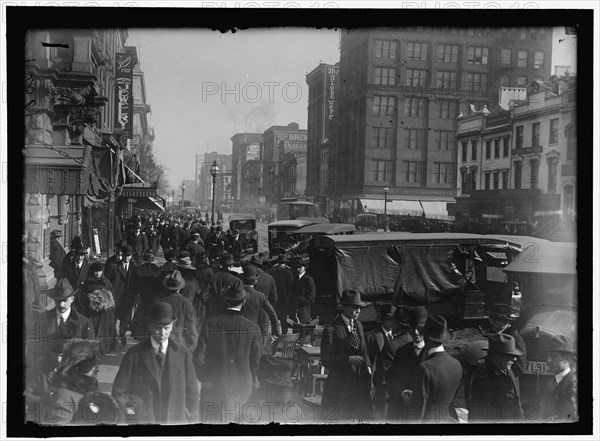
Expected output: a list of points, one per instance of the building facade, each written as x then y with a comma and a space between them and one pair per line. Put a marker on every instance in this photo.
204, 180
400, 94
520, 164
246, 157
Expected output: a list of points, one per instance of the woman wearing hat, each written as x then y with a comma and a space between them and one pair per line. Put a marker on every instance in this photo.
495, 395
95, 300
74, 377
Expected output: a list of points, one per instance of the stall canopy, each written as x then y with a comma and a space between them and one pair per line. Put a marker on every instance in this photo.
143, 196
412, 208
435, 209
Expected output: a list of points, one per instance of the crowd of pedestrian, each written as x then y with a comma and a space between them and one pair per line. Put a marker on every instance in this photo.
205, 321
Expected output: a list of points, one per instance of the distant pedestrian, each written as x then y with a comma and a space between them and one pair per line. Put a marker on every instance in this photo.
57, 252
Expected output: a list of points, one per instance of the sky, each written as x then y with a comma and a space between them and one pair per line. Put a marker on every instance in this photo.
205, 86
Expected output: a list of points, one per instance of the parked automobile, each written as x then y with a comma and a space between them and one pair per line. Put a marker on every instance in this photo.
281, 233
246, 225
366, 222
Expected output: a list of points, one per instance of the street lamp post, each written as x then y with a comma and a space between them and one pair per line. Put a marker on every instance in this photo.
214, 171
182, 192
173, 198
386, 189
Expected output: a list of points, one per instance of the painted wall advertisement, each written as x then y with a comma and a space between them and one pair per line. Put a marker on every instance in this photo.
124, 94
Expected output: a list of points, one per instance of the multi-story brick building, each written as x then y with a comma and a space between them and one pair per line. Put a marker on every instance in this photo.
400, 93
247, 156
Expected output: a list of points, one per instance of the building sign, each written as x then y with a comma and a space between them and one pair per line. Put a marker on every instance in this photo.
497, 120
289, 146
330, 98
124, 93
253, 152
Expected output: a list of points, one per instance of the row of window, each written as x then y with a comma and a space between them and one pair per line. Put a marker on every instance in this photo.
448, 53
384, 105
414, 139
535, 134
413, 171
523, 33
491, 179
501, 147
386, 76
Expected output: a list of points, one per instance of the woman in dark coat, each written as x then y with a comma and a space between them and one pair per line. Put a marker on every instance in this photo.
95, 301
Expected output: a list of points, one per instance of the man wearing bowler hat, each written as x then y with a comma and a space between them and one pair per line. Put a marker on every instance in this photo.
284, 282
560, 403
77, 270
436, 379
495, 395
304, 290
156, 381
502, 318
57, 252
400, 360
347, 390
226, 359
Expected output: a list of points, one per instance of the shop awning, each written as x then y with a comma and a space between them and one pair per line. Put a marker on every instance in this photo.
435, 209
150, 203
143, 195
412, 208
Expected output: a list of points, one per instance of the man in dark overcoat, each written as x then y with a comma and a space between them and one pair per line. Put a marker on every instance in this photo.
57, 252
305, 292
560, 401
347, 390
237, 245
222, 278
156, 381
125, 282
502, 318
227, 359
284, 282
257, 307
76, 271
265, 283
399, 361
139, 241
495, 395
436, 379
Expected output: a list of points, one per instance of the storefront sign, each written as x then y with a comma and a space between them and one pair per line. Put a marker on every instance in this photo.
497, 120
330, 98
124, 94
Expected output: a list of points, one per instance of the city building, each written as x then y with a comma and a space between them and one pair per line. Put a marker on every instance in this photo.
74, 140
204, 180
323, 87
278, 140
520, 164
246, 157
400, 93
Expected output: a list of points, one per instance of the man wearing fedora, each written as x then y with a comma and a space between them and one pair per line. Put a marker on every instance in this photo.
265, 283
185, 331
400, 360
195, 245
187, 270
237, 244
347, 390
156, 381
222, 278
125, 282
57, 252
502, 318
139, 241
560, 401
51, 329
495, 395
114, 261
76, 271
227, 358
147, 287
436, 379
375, 341
305, 292
284, 282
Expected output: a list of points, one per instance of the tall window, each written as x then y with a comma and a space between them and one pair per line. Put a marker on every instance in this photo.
383, 137
538, 59
522, 58
571, 144
473, 150
412, 171
519, 138
446, 80
505, 55
385, 48
414, 139
464, 151
477, 55
447, 53
535, 134
476, 81
486, 178
466, 183
505, 179
442, 172
444, 140
496, 180
447, 109
381, 171
505, 146
416, 51
534, 173
488, 149
414, 107
496, 148
554, 131
504, 81
518, 173
415, 78
383, 105
522, 81
552, 172
385, 76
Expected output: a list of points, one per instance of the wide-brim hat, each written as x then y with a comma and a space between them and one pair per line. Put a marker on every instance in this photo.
56, 233
161, 313
436, 329
174, 281
298, 261
80, 250
63, 290
98, 265
502, 311
413, 317
560, 343
387, 312
282, 258
275, 370
351, 297
79, 354
234, 293
502, 344
185, 263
